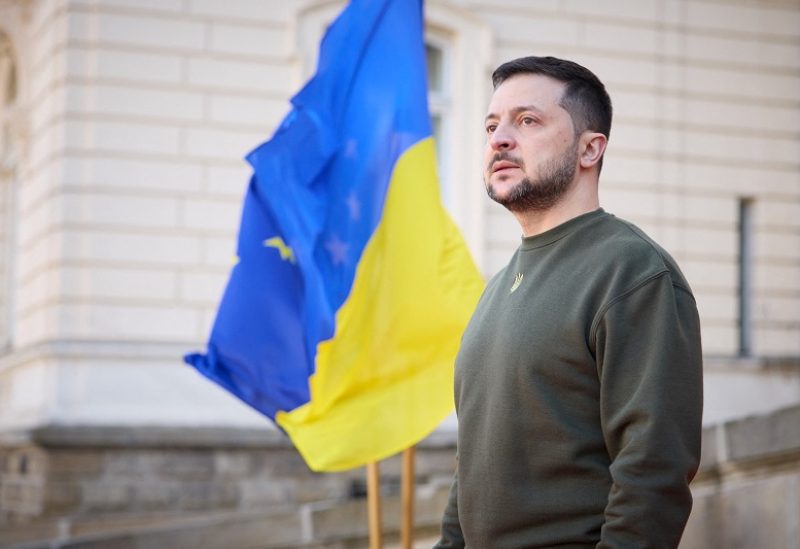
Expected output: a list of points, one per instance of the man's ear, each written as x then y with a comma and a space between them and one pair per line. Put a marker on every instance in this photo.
593, 145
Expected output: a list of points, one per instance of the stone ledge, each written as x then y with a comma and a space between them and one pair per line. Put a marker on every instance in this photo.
81, 349
765, 437
272, 527
146, 436
175, 437
789, 364
754, 437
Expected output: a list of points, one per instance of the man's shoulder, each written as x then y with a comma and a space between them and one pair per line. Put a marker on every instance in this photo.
620, 245
614, 234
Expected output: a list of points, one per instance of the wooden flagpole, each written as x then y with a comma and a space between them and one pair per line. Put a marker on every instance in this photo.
407, 497
374, 505
407, 500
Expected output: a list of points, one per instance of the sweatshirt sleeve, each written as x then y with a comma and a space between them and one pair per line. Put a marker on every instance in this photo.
649, 361
451, 527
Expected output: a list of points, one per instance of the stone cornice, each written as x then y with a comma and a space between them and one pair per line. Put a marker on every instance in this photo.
172, 437
748, 444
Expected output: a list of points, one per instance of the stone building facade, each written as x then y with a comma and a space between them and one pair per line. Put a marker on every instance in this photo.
124, 124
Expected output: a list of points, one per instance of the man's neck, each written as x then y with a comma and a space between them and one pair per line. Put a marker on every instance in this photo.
581, 198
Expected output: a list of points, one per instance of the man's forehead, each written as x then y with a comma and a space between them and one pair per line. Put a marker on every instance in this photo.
517, 109
538, 91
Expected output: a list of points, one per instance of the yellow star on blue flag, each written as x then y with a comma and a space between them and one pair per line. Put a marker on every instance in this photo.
285, 251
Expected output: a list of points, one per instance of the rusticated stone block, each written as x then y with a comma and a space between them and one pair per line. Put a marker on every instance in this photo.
152, 494
22, 498
756, 514
774, 433
435, 461
201, 495
74, 462
28, 461
134, 463
10, 536
429, 505
259, 492
340, 520
184, 465
165, 464
246, 532
282, 462
61, 497
106, 495
703, 521
709, 456
232, 465
321, 487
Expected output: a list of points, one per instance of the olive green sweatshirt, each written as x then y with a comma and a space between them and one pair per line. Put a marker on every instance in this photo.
579, 396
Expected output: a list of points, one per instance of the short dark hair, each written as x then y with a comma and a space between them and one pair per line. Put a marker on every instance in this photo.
585, 97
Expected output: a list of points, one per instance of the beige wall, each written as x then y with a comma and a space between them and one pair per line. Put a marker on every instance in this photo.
139, 114
5, 261
707, 107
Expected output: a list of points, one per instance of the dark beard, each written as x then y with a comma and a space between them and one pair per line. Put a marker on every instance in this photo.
554, 180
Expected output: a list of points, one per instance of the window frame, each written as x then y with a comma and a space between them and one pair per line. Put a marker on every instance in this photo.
468, 43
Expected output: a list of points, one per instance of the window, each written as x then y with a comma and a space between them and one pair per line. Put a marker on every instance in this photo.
459, 52
440, 107
745, 269
8, 161
459, 55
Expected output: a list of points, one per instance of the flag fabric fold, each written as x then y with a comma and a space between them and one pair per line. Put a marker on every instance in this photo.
343, 313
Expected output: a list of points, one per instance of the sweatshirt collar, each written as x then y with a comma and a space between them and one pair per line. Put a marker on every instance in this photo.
560, 231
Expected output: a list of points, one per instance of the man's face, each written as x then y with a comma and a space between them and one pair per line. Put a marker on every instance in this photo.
531, 148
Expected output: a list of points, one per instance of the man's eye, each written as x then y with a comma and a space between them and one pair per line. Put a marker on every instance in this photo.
491, 128
527, 121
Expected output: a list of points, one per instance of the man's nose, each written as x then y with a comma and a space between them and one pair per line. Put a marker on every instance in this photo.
501, 139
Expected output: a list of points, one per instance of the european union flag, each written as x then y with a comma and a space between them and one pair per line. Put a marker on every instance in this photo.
342, 317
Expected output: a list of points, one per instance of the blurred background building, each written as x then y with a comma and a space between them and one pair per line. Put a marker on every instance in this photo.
123, 125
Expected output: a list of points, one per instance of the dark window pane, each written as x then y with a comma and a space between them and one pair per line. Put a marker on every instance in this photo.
433, 56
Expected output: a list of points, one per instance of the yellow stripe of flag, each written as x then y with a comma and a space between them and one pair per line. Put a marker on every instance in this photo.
385, 380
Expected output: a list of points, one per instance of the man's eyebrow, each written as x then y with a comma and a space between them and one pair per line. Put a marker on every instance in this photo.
517, 110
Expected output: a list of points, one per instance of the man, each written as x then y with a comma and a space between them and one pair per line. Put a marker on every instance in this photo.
579, 378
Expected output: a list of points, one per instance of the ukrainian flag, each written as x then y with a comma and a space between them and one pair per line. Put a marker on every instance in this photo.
343, 314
